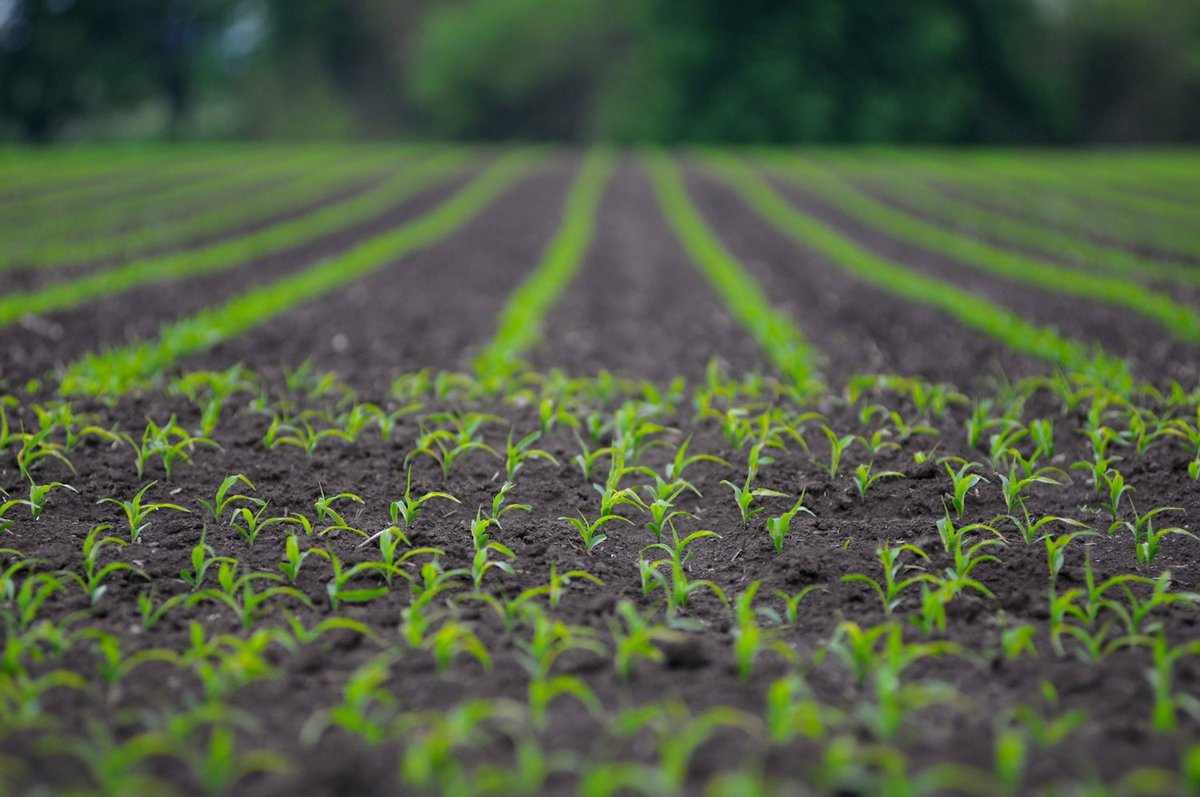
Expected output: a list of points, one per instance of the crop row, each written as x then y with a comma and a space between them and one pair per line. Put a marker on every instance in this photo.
990, 224
259, 191
967, 308
116, 370
1181, 320
234, 251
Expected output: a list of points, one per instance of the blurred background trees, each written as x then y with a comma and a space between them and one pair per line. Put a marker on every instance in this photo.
770, 71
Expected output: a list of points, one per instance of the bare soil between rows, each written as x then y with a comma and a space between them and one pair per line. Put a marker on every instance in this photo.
639, 309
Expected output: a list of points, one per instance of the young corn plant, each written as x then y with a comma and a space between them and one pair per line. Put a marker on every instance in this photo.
294, 558
171, 443
678, 587
223, 501
591, 530
36, 502
781, 526
890, 589
409, 507
238, 593
587, 458
1013, 486
338, 588
1147, 540
745, 494
137, 513
962, 481
637, 638
91, 581
517, 454
837, 447
202, 559
749, 637
864, 478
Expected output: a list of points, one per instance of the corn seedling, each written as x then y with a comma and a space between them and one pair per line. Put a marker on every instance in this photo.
678, 588
36, 502
152, 612
781, 526
171, 443
238, 593
749, 637
294, 558
337, 589
636, 638
1167, 701
1029, 528
745, 494
1146, 539
864, 478
962, 481
409, 507
891, 587
587, 458
92, 579
837, 447
517, 454
137, 513
591, 530
335, 520
222, 502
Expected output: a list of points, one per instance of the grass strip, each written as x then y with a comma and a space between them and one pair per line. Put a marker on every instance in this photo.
232, 252
122, 369
781, 339
253, 204
1181, 320
520, 324
970, 310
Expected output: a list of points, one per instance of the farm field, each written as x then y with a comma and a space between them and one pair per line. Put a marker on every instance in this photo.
432, 469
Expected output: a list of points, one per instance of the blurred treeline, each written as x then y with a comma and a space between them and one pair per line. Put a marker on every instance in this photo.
1019, 71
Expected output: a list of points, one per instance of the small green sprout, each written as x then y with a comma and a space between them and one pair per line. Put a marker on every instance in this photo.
92, 580
779, 527
517, 454
864, 478
962, 481
891, 587
590, 531
137, 513
223, 500
408, 507
837, 447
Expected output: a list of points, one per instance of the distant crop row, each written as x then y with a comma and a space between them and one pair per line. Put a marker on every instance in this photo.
849, 185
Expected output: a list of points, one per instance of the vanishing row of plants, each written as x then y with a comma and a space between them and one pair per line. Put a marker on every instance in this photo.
431, 574
884, 179
1181, 320
235, 251
117, 370
103, 177
780, 338
240, 197
1113, 226
519, 325
965, 307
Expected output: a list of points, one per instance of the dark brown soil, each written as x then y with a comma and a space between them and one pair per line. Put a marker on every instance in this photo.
635, 308
855, 327
32, 349
1149, 347
27, 279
